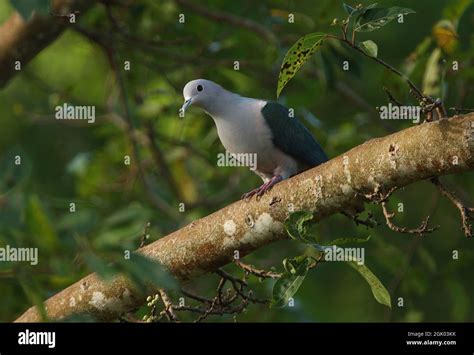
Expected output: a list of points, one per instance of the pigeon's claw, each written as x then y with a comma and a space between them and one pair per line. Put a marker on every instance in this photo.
248, 195
260, 191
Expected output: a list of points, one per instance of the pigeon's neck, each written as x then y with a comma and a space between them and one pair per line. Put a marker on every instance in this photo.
219, 105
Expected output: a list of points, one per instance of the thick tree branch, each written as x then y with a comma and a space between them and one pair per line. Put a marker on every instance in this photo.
417, 153
22, 40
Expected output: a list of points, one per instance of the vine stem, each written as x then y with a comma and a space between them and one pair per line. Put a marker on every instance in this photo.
410, 83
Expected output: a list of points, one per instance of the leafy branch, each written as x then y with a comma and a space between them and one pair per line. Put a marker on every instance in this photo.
359, 19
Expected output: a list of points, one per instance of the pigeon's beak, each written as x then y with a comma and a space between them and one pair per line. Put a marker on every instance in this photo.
186, 104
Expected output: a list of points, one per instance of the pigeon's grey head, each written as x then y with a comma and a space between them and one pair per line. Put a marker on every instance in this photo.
201, 93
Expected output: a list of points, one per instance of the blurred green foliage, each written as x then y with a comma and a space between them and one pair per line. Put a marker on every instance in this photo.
64, 162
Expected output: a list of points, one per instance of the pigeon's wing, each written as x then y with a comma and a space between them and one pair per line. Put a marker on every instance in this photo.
291, 136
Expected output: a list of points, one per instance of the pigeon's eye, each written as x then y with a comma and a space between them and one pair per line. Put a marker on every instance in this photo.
199, 88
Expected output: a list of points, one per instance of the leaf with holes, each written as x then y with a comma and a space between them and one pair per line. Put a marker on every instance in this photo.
289, 283
375, 18
297, 55
354, 16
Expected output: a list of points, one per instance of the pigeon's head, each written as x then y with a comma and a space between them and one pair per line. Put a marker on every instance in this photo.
201, 93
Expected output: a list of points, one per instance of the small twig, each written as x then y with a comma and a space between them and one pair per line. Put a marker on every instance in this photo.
239, 286
440, 109
130, 318
220, 287
217, 300
417, 92
195, 297
168, 306
378, 196
458, 110
230, 277
221, 311
263, 274
160, 161
421, 230
145, 235
381, 198
466, 212
369, 222
414, 90
391, 98
344, 30
207, 312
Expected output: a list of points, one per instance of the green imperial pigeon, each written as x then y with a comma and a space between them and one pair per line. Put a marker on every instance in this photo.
282, 145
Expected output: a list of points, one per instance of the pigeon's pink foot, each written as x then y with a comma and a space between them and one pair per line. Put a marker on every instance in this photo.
260, 191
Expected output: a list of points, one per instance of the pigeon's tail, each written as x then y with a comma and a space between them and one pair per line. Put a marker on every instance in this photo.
317, 155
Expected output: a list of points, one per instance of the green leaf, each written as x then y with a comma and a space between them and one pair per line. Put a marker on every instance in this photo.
349, 9
26, 7
142, 271
460, 300
329, 76
464, 28
296, 56
455, 9
103, 269
427, 259
145, 272
369, 47
359, 11
39, 224
339, 242
374, 18
431, 78
378, 289
13, 174
343, 241
127, 214
414, 60
287, 286
32, 290
291, 265
294, 226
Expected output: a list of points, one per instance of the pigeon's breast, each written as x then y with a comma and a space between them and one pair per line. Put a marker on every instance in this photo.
244, 130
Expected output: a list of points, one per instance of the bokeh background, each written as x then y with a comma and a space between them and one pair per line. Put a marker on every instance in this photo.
73, 161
